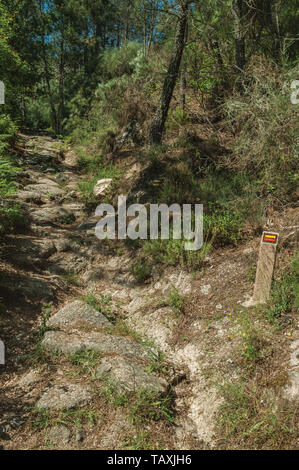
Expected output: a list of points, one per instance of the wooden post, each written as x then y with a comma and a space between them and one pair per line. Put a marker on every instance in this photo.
265, 268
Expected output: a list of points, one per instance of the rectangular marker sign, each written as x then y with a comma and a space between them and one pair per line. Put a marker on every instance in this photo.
270, 238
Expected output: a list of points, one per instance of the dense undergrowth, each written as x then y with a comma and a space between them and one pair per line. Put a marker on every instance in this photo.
245, 166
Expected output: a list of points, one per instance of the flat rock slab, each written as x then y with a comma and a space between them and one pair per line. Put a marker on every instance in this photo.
69, 343
67, 263
52, 214
78, 313
65, 397
29, 196
27, 251
45, 189
128, 376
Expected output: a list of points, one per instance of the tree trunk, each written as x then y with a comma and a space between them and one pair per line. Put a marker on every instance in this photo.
239, 35
183, 86
158, 123
47, 71
61, 85
275, 27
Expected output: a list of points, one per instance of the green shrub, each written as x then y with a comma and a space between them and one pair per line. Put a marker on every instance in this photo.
264, 122
224, 227
100, 302
248, 417
176, 301
12, 218
172, 253
149, 406
7, 129
8, 175
141, 271
177, 118
96, 172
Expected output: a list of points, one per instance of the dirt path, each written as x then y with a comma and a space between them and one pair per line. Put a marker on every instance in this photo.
60, 261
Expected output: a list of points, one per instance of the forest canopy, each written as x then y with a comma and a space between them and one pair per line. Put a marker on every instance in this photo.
59, 56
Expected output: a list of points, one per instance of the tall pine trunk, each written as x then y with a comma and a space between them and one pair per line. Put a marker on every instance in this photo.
47, 71
239, 35
158, 123
61, 85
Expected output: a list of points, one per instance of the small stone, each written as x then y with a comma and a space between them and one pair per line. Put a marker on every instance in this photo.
248, 251
29, 379
59, 435
205, 289
79, 436
101, 186
291, 391
62, 245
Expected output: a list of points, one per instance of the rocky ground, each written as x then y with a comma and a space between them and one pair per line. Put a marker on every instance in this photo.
72, 365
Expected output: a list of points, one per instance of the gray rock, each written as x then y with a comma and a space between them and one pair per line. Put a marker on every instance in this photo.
291, 391
102, 186
45, 215
78, 313
51, 215
59, 435
29, 196
79, 435
127, 376
76, 208
295, 355
65, 397
62, 245
28, 252
47, 181
30, 378
69, 343
66, 264
45, 189
206, 289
